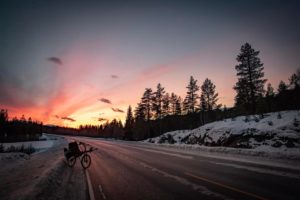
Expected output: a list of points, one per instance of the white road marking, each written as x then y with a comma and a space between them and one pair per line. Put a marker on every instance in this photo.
101, 191
91, 191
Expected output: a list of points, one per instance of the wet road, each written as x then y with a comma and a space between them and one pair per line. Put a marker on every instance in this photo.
128, 170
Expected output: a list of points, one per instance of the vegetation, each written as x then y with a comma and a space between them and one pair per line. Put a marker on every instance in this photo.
18, 129
159, 112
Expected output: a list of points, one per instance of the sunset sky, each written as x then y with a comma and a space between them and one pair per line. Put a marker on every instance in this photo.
62, 60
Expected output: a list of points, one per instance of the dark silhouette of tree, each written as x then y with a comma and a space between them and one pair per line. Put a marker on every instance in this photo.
175, 104
282, 87
190, 101
173, 100
146, 102
166, 105
250, 84
295, 80
178, 110
209, 97
129, 123
270, 96
158, 101
139, 112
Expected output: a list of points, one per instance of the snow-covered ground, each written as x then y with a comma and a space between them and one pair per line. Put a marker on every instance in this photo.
46, 141
275, 134
43, 175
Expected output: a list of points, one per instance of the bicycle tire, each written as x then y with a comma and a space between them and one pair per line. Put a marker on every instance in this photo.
86, 161
71, 161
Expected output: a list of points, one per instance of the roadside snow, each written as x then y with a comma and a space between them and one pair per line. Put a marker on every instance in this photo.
276, 135
46, 142
44, 175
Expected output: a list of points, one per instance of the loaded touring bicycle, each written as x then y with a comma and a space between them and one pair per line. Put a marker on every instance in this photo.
78, 150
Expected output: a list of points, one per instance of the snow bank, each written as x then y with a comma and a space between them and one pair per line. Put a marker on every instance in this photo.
272, 132
46, 141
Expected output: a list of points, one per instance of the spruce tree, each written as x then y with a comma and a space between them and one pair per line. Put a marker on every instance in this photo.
129, 119
209, 97
190, 100
250, 84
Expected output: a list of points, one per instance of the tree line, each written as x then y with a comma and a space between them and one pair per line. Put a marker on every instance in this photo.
18, 129
159, 111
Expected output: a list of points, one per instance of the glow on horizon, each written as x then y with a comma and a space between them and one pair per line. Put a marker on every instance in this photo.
58, 61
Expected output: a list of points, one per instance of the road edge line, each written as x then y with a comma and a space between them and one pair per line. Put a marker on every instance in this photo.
90, 187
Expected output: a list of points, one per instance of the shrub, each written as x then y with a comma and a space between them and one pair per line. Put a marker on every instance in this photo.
270, 123
1, 148
28, 150
279, 116
296, 122
246, 119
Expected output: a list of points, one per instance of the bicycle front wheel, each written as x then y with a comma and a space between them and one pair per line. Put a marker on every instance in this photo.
86, 161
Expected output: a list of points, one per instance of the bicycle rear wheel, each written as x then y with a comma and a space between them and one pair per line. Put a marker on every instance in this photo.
71, 161
86, 161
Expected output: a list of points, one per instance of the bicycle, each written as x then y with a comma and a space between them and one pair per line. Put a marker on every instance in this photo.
77, 150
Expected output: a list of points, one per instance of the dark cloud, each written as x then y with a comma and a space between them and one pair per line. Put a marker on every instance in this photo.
69, 119
105, 100
114, 76
117, 110
55, 60
57, 116
100, 119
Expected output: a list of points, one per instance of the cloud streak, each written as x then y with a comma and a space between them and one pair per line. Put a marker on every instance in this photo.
105, 100
100, 119
114, 76
55, 60
68, 119
117, 110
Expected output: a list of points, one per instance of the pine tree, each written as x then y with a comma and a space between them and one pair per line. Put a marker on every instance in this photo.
166, 105
139, 112
282, 87
178, 109
209, 97
295, 80
269, 96
158, 101
190, 100
173, 99
250, 84
146, 101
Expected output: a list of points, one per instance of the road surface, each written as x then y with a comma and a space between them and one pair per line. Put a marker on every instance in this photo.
124, 170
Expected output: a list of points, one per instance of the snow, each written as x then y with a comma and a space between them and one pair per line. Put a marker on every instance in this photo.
43, 175
46, 141
272, 135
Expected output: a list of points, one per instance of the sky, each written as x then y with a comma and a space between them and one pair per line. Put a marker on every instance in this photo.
84, 62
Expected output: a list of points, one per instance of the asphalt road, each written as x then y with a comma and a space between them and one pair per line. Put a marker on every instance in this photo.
136, 171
